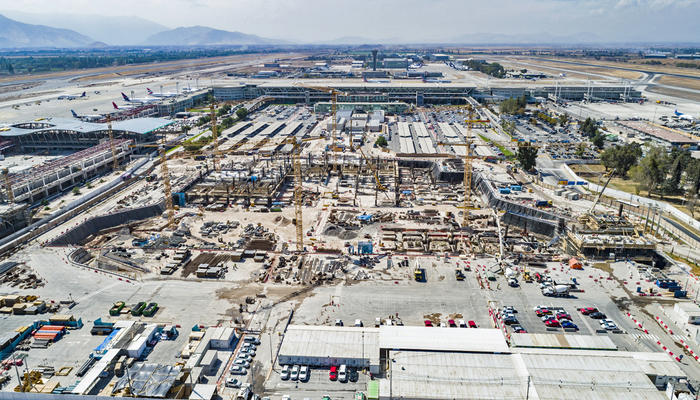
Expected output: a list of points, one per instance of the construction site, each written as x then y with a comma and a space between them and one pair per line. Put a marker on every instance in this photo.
305, 240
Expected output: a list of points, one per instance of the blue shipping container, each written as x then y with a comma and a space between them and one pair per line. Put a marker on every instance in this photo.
504, 191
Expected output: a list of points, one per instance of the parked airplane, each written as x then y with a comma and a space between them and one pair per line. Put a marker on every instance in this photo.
684, 116
143, 100
72, 97
122, 108
162, 95
87, 118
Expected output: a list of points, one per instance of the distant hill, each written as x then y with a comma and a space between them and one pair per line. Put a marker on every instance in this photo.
15, 34
202, 35
113, 30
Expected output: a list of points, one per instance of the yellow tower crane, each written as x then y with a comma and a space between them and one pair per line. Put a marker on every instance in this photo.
467, 166
215, 139
334, 108
298, 188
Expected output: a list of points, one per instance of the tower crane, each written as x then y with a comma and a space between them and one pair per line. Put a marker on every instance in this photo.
214, 137
334, 106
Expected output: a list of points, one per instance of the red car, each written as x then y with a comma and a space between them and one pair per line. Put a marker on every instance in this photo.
552, 323
563, 315
587, 310
427, 322
451, 323
472, 324
542, 311
333, 374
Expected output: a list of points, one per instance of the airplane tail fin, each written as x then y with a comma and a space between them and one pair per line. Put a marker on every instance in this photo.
74, 114
149, 91
83, 95
125, 97
115, 106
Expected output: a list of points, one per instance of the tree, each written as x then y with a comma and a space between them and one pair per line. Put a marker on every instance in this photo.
581, 149
650, 172
241, 113
598, 140
513, 105
381, 141
692, 176
76, 191
527, 156
508, 127
589, 127
621, 158
563, 119
676, 162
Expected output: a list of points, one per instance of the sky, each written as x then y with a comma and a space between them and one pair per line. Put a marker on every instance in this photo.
409, 21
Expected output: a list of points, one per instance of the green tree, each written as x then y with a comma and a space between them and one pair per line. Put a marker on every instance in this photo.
692, 176
381, 141
581, 149
589, 127
598, 140
241, 113
676, 162
527, 156
621, 158
563, 119
650, 173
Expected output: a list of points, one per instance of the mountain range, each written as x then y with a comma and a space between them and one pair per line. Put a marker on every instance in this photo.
15, 34
202, 35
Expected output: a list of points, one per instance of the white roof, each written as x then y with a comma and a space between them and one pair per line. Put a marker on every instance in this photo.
442, 339
331, 341
560, 341
202, 392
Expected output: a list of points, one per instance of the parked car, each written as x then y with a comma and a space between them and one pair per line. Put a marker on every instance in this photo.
247, 351
427, 322
597, 315
343, 373
358, 323
338, 322
452, 323
510, 320
568, 324
518, 329
295, 373
242, 362
509, 310
608, 324
333, 373
304, 373
238, 370
552, 323
472, 324
252, 339
587, 310
243, 356
233, 383
284, 374
352, 375
563, 315
462, 323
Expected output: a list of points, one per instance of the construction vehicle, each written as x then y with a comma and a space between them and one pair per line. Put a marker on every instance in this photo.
459, 275
419, 274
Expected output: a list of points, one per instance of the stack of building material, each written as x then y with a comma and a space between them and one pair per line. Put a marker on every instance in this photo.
47, 334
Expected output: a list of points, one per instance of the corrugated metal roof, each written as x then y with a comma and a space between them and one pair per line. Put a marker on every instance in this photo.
443, 339
563, 341
331, 341
136, 125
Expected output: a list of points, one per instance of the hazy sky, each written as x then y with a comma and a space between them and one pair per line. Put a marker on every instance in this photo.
405, 20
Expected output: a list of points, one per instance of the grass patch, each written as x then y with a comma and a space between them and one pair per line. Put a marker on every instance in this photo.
695, 267
507, 153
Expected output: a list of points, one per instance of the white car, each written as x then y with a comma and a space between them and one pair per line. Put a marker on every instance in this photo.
284, 374
295, 373
244, 356
233, 382
238, 370
304, 373
343, 373
241, 362
608, 324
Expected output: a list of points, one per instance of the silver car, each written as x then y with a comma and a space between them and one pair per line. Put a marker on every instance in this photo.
295, 373
284, 374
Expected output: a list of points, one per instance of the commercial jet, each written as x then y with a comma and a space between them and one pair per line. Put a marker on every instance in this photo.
142, 100
87, 118
122, 108
72, 97
684, 116
162, 95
